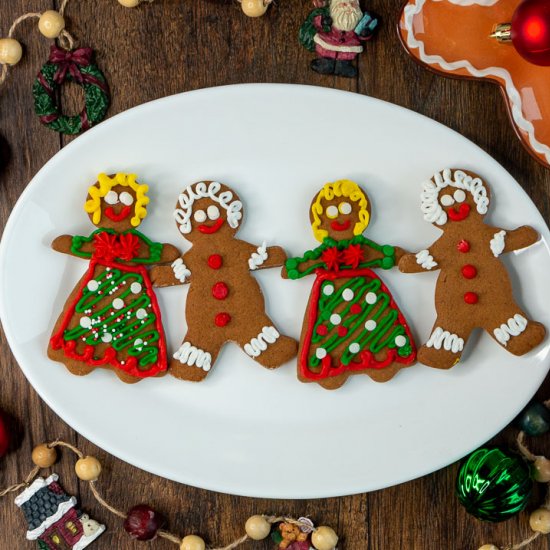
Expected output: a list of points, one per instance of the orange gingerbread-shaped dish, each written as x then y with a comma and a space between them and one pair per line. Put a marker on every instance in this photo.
453, 38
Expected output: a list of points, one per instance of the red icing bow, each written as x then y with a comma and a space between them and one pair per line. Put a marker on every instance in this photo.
108, 246
351, 256
70, 61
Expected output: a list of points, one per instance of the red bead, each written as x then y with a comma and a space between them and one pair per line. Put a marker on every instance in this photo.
531, 31
220, 291
356, 308
222, 319
4, 436
142, 522
215, 261
471, 298
342, 330
463, 246
321, 330
469, 271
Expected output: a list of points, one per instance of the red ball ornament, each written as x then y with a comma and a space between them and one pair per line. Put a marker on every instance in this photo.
4, 436
143, 523
531, 31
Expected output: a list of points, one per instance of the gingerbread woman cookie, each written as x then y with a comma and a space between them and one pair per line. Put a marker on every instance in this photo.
112, 319
352, 324
224, 302
473, 289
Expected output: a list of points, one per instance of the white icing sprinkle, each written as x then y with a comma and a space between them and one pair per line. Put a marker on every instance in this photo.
335, 319
426, 260
400, 341
118, 303
348, 295
92, 285
513, 327
141, 313
321, 353
370, 325
85, 322
135, 287
449, 341
259, 344
138, 342
328, 289
106, 338
497, 243
370, 298
354, 348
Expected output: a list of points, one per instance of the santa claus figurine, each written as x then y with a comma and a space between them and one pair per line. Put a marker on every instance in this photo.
336, 30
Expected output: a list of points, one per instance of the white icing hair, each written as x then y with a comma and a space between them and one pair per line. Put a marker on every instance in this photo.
211, 191
429, 203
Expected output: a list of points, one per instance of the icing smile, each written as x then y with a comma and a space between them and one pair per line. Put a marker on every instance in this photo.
460, 214
122, 215
340, 226
209, 229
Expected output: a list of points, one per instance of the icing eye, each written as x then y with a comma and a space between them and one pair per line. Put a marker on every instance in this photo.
332, 212
126, 199
213, 212
111, 197
345, 208
200, 216
447, 200
459, 195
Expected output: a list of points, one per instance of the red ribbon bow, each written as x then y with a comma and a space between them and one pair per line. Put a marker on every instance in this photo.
70, 61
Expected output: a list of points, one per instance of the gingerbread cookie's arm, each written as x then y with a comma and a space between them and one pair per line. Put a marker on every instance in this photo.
263, 256
169, 253
425, 260
506, 241
75, 246
170, 275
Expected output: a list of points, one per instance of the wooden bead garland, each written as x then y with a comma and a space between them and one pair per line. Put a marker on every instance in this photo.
257, 527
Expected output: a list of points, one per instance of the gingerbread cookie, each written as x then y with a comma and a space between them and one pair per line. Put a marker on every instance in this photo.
473, 289
224, 302
352, 324
112, 319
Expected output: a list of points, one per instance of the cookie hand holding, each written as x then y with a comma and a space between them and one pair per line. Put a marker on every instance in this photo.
473, 289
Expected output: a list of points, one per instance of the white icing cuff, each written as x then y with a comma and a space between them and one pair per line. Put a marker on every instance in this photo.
258, 258
190, 355
259, 344
497, 243
180, 270
63, 508
513, 327
450, 342
426, 260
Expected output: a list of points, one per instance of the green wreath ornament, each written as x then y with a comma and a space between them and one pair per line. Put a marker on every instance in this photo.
74, 66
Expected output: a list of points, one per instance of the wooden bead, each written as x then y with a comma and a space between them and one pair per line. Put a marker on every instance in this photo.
129, 3
88, 468
541, 469
540, 521
488, 547
254, 8
44, 456
10, 51
51, 23
324, 538
192, 542
257, 527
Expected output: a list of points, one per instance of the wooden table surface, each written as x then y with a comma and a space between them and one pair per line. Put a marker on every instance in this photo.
173, 46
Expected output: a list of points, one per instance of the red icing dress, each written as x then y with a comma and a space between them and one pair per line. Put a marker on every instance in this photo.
352, 322
114, 319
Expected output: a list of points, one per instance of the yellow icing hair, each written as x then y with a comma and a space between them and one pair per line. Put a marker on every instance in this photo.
93, 205
340, 188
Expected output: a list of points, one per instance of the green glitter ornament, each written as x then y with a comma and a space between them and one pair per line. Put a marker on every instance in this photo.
494, 484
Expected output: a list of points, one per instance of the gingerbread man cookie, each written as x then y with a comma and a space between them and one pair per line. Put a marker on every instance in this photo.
224, 302
473, 289
352, 323
112, 319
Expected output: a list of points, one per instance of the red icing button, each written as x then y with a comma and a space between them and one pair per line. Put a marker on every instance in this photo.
321, 330
469, 271
342, 331
471, 298
463, 246
215, 261
356, 308
222, 319
220, 291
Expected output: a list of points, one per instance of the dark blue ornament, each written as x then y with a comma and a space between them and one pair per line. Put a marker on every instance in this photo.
534, 419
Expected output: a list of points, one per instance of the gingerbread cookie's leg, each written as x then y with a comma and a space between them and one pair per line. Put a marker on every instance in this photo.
516, 333
444, 347
195, 357
266, 345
